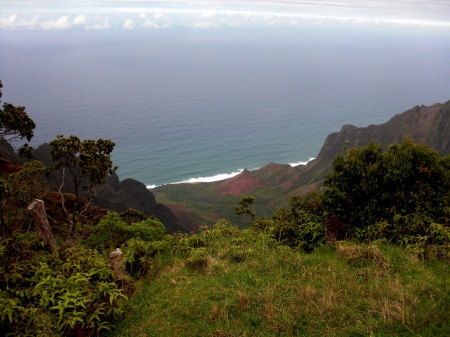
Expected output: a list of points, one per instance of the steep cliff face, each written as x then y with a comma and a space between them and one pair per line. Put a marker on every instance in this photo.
273, 184
429, 125
425, 124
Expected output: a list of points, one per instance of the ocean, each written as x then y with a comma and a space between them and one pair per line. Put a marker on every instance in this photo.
202, 104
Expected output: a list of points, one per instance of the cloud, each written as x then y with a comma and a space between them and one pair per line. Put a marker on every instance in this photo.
209, 14
80, 20
102, 25
159, 15
128, 24
8, 21
205, 24
44, 14
151, 24
60, 23
12, 21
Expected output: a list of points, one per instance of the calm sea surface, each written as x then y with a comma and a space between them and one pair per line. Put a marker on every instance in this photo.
194, 104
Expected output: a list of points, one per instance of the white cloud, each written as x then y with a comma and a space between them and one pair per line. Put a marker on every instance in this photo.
128, 24
8, 21
60, 23
209, 14
80, 20
159, 15
14, 21
43, 14
205, 24
102, 25
151, 24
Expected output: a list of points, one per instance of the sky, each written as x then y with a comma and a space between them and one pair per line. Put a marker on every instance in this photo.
150, 14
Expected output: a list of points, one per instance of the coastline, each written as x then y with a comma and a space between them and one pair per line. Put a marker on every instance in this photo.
219, 176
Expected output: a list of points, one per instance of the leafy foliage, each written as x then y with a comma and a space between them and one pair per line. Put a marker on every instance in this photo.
88, 161
44, 296
132, 215
17, 190
301, 226
16, 124
368, 186
245, 209
112, 232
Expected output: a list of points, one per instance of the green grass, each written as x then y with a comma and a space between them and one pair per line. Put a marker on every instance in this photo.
241, 283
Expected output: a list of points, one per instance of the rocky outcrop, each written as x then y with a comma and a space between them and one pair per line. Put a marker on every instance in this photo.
119, 196
424, 124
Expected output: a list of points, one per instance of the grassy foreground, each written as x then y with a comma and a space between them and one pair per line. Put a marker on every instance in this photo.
230, 282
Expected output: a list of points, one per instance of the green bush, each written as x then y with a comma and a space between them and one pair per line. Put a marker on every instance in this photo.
301, 226
368, 185
138, 254
112, 232
41, 295
198, 259
238, 253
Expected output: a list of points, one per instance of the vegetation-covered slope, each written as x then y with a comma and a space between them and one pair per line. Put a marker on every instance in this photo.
274, 184
228, 282
368, 255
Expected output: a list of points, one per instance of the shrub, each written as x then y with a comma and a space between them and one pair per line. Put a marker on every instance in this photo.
138, 254
112, 232
237, 253
301, 226
368, 186
198, 259
41, 295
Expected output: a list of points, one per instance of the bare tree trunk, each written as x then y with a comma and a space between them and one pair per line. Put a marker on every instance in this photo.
72, 222
37, 210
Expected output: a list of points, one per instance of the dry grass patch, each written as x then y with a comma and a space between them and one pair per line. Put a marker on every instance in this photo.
362, 254
244, 300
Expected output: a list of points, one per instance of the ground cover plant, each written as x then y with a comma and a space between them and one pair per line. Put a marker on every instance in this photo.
230, 282
41, 295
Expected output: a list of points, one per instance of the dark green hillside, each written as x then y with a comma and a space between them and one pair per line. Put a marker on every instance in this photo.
273, 184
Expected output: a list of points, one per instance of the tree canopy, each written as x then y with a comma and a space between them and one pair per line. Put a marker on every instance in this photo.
368, 185
15, 122
88, 161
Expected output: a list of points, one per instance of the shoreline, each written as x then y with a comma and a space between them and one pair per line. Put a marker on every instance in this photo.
220, 176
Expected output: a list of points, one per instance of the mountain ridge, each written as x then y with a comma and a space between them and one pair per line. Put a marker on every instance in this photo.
273, 184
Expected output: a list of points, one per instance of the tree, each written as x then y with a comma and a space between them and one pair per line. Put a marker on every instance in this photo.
15, 124
368, 186
245, 209
88, 162
354, 187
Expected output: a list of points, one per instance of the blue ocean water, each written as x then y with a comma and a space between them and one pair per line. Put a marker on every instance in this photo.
200, 104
